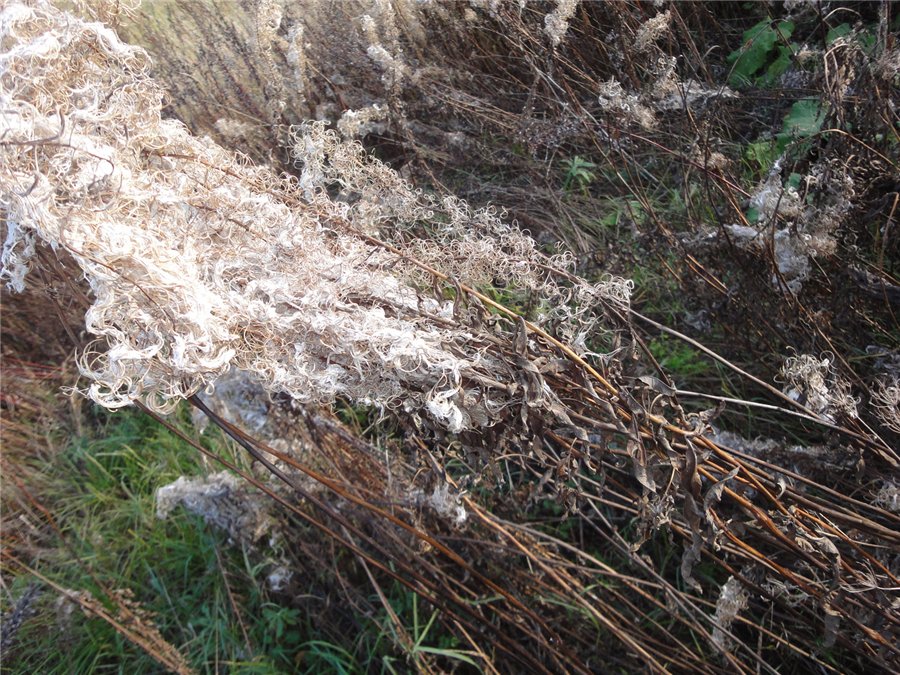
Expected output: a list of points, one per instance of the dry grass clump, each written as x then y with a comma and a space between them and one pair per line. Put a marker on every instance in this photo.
521, 394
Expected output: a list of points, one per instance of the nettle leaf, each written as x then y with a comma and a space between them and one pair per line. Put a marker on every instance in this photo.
777, 68
756, 51
804, 119
864, 37
837, 32
868, 42
785, 28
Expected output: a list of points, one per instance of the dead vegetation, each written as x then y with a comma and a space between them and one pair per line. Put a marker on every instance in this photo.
522, 452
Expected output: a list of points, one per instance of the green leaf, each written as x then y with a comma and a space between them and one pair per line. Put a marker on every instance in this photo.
762, 154
805, 118
756, 51
786, 28
836, 32
777, 68
610, 219
868, 42
455, 654
753, 54
579, 170
866, 38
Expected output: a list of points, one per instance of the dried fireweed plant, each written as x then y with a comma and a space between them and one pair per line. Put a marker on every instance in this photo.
345, 281
200, 262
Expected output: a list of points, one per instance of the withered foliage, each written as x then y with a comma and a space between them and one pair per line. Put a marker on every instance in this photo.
500, 413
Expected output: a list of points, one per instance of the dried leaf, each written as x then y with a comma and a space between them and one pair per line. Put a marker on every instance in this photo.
714, 492
520, 341
639, 463
658, 385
